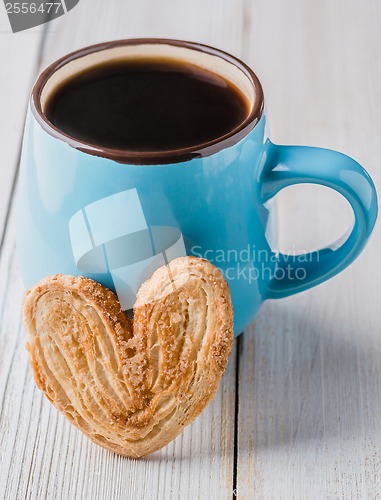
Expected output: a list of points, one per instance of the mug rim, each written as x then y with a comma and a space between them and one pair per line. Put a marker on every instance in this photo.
126, 156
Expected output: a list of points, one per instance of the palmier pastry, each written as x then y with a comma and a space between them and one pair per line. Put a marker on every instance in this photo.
131, 386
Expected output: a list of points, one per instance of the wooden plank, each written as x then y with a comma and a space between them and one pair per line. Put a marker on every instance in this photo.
309, 373
216, 22
43, 456
18, 59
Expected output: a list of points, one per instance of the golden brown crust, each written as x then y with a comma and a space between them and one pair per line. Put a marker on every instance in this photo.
131, 387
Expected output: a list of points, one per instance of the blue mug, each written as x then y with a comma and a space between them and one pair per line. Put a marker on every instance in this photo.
116, 215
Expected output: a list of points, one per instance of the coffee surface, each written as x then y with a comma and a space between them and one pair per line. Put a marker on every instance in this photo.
147, 105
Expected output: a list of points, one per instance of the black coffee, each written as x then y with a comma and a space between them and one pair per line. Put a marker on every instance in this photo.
147, 105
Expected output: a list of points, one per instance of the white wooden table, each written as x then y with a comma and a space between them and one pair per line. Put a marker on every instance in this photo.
298, 412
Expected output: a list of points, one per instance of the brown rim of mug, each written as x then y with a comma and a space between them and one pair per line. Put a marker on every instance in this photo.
150, 157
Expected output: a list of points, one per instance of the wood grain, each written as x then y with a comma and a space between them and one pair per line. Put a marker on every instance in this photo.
44, 457
47, 457
309, 370
19, 57
308, 400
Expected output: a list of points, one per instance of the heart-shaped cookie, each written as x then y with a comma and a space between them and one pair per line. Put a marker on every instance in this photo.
131, 386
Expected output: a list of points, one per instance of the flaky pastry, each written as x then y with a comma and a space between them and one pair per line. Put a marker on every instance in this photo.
131, 386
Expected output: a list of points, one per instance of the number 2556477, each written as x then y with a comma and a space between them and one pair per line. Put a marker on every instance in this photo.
33, 8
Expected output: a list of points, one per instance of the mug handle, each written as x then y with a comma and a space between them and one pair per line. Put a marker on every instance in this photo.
289, 165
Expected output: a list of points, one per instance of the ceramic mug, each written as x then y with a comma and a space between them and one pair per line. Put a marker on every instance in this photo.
115, 216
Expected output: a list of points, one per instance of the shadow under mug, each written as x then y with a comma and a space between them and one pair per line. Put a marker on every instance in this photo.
116, 216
